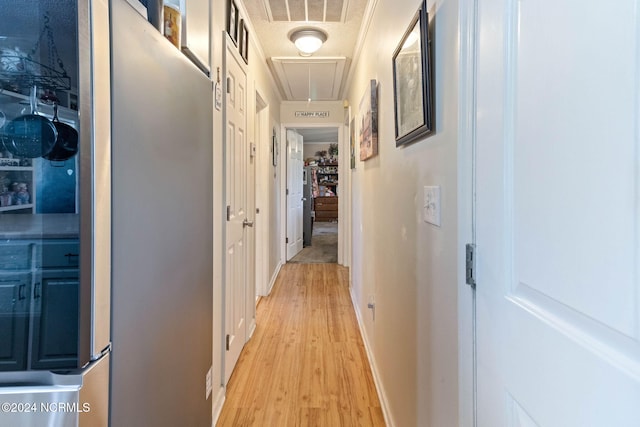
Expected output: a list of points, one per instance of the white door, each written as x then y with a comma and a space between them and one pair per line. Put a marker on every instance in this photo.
236, 158
557, 213
295, 168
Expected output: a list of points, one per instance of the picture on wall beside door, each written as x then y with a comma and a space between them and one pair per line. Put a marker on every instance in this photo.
232, 20
412, 81
352, 142
244, 41
274, 148
369, 122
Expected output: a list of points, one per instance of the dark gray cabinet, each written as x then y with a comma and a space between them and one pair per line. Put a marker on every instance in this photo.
39, 305
54, 342
14, 321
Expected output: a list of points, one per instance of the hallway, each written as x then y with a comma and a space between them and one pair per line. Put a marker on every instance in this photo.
306, 363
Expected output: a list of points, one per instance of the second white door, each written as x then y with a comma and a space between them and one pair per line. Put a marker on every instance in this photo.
295, 168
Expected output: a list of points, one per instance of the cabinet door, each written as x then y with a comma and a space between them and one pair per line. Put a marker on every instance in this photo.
55, 321
195, 31
14, 318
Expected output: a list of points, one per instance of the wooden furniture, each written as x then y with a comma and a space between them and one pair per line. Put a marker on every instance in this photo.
326, 209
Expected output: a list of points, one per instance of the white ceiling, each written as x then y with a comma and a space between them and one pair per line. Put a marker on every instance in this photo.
323, 75
314, 135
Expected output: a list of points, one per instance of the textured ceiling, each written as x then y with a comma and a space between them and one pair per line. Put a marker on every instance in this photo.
274, 20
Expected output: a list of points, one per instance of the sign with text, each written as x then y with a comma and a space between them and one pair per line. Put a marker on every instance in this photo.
312, 114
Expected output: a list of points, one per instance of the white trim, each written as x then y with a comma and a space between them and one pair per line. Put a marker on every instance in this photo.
343, 238
466, 201
262, 129
217, 404
372, 364
362, 35
272, 282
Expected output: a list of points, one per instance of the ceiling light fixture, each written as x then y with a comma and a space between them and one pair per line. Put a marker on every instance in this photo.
308, 40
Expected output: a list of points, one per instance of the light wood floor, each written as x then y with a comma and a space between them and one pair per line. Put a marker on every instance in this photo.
305, 364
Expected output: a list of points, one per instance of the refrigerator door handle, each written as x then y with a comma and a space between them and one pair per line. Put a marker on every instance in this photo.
36, 291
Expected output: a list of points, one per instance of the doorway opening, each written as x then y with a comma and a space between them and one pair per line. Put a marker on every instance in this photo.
313, 167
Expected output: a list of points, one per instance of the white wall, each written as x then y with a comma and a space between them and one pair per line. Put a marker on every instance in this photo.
407, 265
261, 81
311, 148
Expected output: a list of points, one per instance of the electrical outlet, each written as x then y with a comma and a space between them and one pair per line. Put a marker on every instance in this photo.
208, 384
372, 305
431, 211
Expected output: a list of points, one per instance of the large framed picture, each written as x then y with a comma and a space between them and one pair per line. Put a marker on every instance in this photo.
369, 122
232, 20
412, 91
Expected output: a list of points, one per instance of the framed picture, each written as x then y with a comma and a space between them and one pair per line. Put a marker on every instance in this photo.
369, 122
244, 42
352, 142
412, 89
241, 37
232, 20
274, 148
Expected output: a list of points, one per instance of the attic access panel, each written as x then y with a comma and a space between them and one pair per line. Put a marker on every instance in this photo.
319, 79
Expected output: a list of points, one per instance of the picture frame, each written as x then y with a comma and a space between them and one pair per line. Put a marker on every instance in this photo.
368, 121
274, 148
352, 142
412, 89
232, 21
244, 41
241, 37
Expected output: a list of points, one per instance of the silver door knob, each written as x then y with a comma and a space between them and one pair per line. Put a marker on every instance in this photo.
247, 223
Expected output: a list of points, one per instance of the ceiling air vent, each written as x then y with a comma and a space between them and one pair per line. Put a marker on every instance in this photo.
306, 10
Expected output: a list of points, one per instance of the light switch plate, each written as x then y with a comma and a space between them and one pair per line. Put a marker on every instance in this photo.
431, 212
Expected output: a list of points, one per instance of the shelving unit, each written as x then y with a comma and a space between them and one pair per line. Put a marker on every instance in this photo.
326, 207
328, 176
16, 174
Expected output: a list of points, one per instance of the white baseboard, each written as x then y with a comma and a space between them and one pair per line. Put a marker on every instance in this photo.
274, 277
217, 405
372, 362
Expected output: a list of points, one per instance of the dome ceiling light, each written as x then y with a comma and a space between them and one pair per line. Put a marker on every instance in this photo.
308, 40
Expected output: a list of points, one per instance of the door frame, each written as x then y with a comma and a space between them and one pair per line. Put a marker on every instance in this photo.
344, 200
226, 52
467, 390
262, 137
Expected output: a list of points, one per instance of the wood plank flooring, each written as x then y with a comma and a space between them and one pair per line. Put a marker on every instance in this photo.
305, 364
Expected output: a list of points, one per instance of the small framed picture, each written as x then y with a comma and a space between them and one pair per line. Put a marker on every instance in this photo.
232, 20
244, 42
274, 148
369, 122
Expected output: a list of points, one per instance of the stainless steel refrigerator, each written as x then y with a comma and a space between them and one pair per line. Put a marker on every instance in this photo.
106, 285
55, 208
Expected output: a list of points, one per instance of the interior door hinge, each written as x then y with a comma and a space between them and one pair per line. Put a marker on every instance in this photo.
287, 191
228, 212
228, 341
287, 241
470, 265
